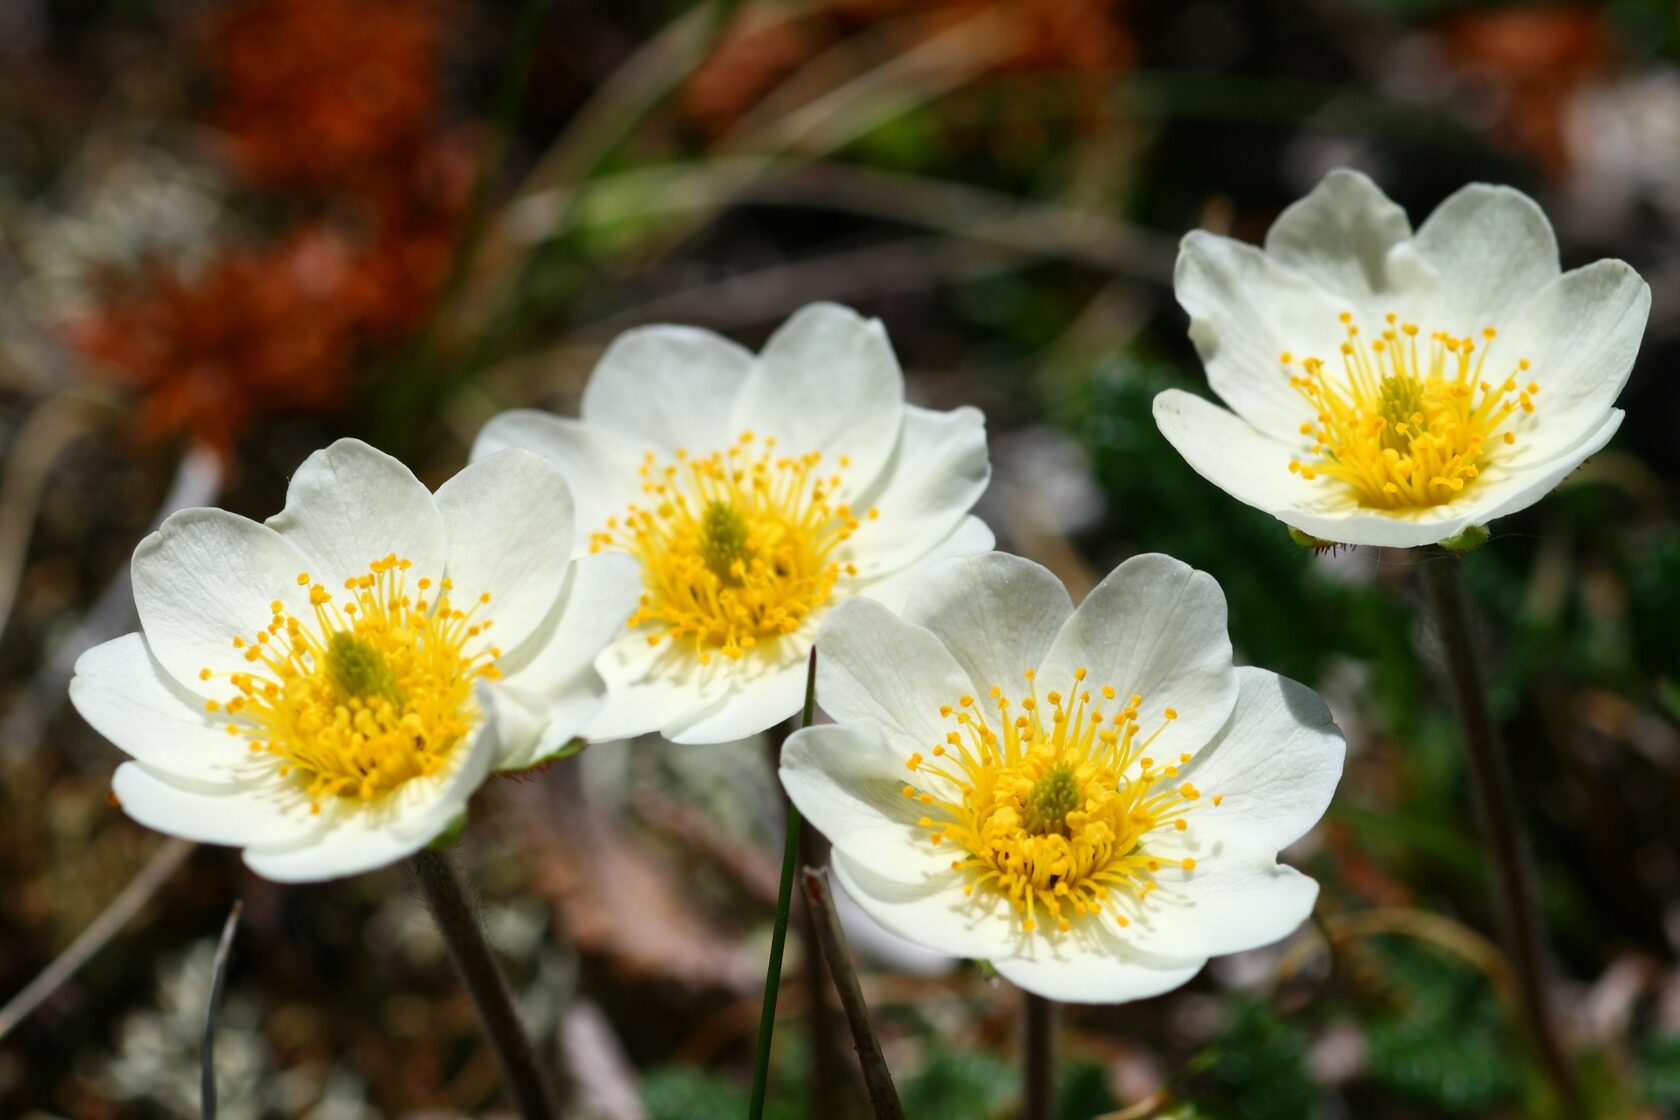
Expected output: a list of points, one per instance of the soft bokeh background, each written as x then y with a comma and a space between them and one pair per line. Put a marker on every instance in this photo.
232, 232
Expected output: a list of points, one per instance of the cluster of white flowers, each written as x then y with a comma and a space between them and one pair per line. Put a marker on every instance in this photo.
1093, 798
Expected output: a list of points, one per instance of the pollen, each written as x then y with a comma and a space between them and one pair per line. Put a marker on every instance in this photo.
1405, 425
736, 547
370, 691
1058, 810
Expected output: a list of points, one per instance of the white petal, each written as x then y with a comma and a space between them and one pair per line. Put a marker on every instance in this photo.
1087, 966
827, 381
938, 471
1153, 626
1582, 333
600, 466
1492, 249
517, 721
935, 913
1340, 236
349, 505
205, 577
570, 712
1230, 903
848, 782
273, 812
668, 387
362, 837
970, 537
871, 666
1227, 451
126, 696
774, 691
997, 614
508, 520
1522, 491
1274, 764
660, 688
1495, 495
597, 597
1247, 310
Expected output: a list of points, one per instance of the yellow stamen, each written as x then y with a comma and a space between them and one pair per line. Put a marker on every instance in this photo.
736, 547
1059, 811
1405, 428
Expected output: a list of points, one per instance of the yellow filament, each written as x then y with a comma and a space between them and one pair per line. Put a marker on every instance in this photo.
1405, 425
1056, 810
736, 547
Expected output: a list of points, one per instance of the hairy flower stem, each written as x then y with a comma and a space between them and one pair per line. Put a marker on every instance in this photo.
778, 937
1520, 927
458, 923
1038, 1058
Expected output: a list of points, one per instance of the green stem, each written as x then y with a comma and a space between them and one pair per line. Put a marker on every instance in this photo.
1521, 928
784, 905
483, 979
1038, 1058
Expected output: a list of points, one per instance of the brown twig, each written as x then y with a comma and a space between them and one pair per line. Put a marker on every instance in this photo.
877, 1078
110, 922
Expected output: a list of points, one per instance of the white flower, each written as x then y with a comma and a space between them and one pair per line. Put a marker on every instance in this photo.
1093, 799
756, 493
1392, 388
327, 689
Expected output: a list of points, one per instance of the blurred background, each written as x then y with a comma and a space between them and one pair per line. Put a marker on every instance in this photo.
230, 233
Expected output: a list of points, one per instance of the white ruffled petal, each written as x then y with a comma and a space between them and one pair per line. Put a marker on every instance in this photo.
997, 614
1230, 453
1154, 626
871, 666
1274, 764
206, 577
1492, 249
508, 520
361, 837
770, 690
827, 381
659, 688
600, 467
848, 783
1246, 310
938, 471
971, 537
349, 505
126, 696
268, 812
1088, 966
598, 595
934, 913
668, 387
1581, 334
1233, 901
1340, 236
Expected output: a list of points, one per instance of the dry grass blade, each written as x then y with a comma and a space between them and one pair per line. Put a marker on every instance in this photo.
218, 975
109, 923
877, 1078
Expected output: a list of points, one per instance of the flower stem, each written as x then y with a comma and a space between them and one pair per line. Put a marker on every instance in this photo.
778, 937
456, 920
1038, 1058
877, 1078
1520, 926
